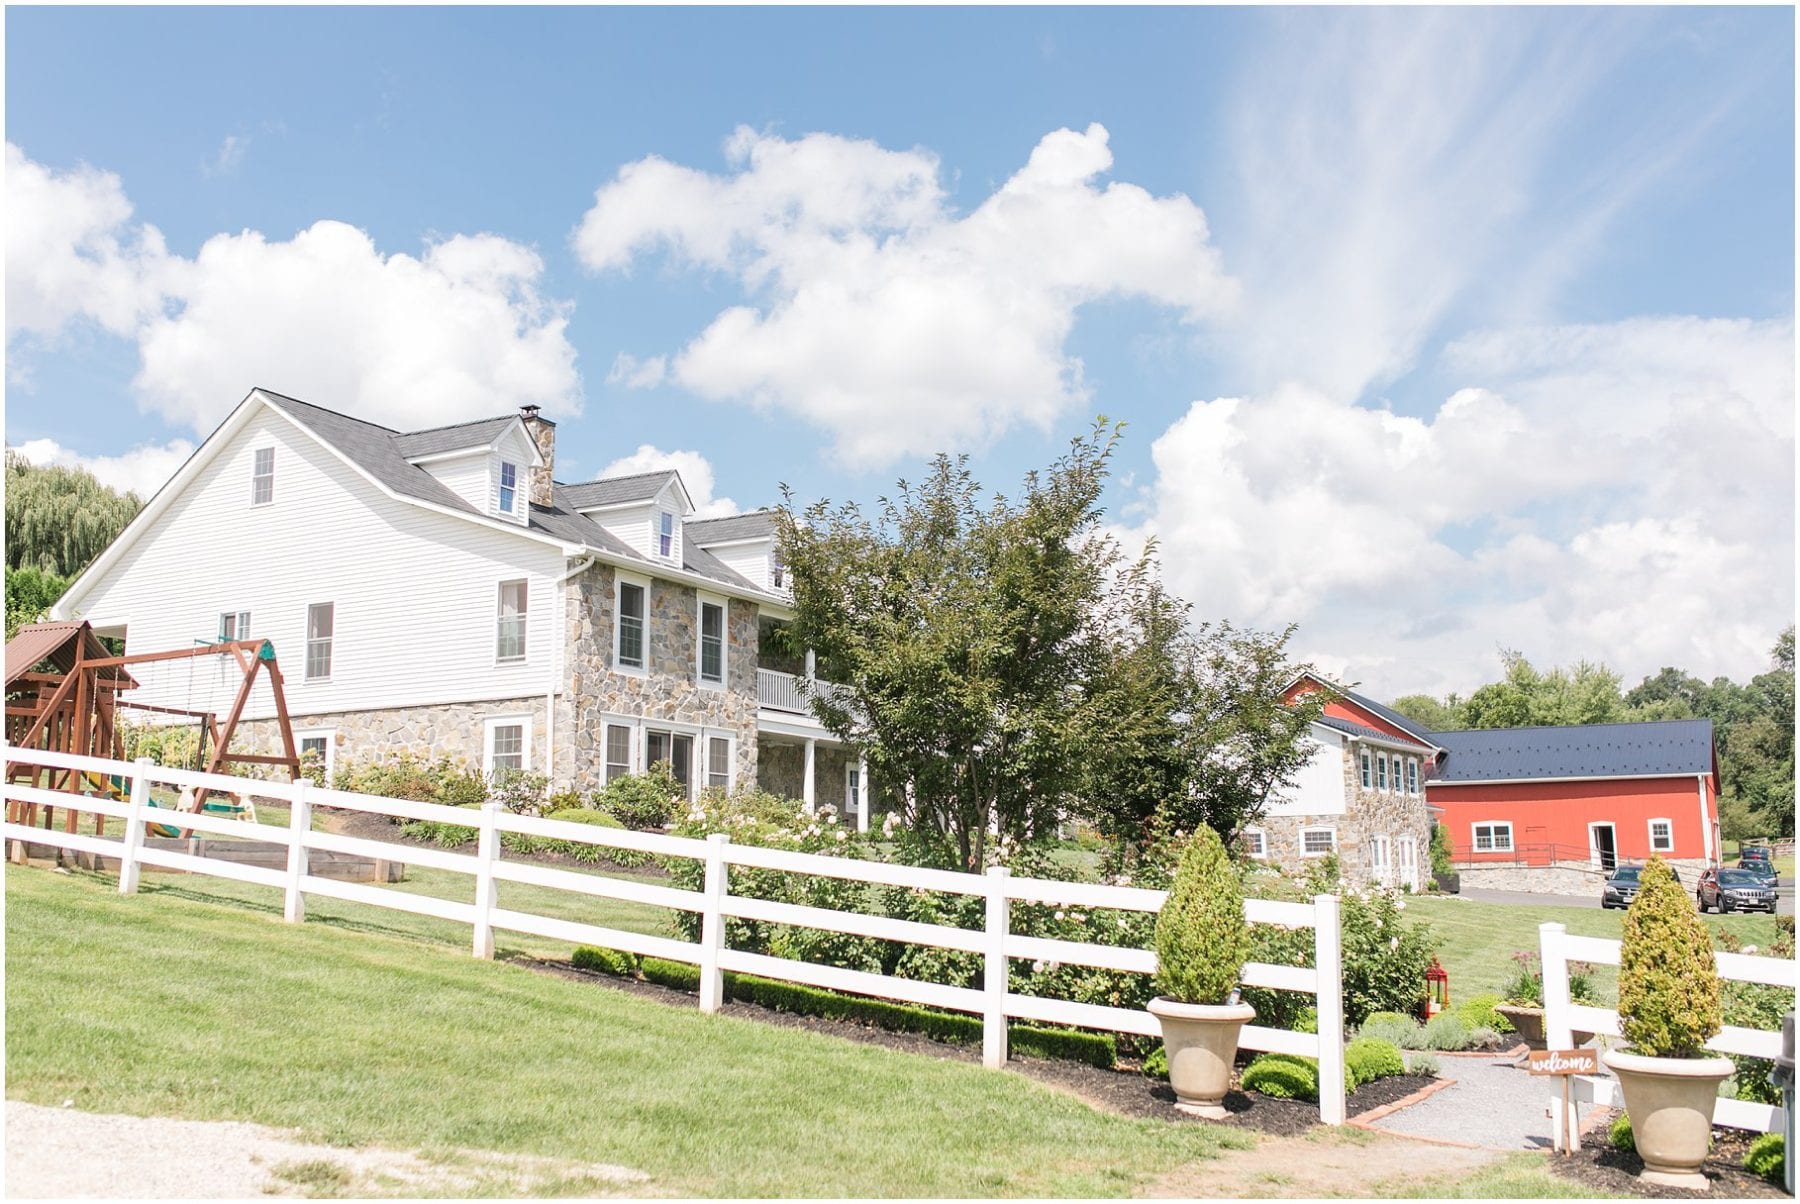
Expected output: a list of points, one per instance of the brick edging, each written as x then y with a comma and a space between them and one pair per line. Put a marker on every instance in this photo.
1364, 1120
1518, 1050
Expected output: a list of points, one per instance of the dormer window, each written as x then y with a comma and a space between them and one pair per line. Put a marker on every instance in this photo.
509, 487
665, 536
777, 570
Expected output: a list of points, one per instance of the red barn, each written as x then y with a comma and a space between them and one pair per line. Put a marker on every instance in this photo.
1554, 808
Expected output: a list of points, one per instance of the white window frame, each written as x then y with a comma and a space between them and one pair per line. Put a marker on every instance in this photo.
607, 725
1493, 826
330, 645
500, 618
697, 748
327, 734
1381, 772
256, 476
664, 518
1381, 852
489, 726
500, 488
1260, 851
1331, 832
1650, 829
620, 581
240, 625
1412, 775
701, 602
1396, 768
706, 743
1368, 771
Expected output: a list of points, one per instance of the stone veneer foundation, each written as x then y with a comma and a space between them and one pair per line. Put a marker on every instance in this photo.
1562, 878
1367, 813
782, 770
456, 731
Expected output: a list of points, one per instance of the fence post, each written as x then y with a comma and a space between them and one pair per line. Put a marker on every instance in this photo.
487, 849
994, 976
134, 828
1558, 1025
1328, 962
712, 924
293, 908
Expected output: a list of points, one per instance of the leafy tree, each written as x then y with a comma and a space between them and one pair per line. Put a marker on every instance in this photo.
1585, 693
58, 519
30, 593
963, 635
1428, 712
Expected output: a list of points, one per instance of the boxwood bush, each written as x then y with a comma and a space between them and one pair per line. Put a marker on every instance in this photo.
1370, 1058
1282, 1076
1202, 939
1767, 1156
1668, 983
1619, 1136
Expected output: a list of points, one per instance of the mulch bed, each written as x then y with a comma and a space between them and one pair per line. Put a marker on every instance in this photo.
1126, 1091
1598, 1165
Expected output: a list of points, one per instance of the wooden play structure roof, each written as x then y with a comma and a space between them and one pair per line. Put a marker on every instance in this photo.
62, 645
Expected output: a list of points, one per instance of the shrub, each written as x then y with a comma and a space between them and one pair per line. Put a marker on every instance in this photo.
1282, 1077
1447, 1030
1156, 1065
1401, 1031
447, 836
520, 792
642, 800
1440, 850
1526, 989
1482, 1038
1668, 984
1767, 1156
1202, 940
606, 961
1478, 1013
587, 854
1619, 1136
1421, 1063
1370, 1058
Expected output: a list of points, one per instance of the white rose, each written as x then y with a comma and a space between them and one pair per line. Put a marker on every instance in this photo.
843, 836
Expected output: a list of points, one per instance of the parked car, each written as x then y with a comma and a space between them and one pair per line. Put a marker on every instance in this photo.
1621, 886
1734, 890
1763, 868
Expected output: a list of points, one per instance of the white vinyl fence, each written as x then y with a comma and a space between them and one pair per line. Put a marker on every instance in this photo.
714, 902
1563, 1018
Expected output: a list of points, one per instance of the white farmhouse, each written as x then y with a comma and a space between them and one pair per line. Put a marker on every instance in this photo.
438, 593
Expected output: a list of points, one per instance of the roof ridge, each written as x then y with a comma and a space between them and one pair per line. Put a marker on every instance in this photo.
725, 518
630, 476
450, 426
1571, 727
328, 410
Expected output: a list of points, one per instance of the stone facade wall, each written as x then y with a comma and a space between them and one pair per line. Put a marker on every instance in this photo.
1562, 878
456, 731
1366, 813
782, 770
668, 689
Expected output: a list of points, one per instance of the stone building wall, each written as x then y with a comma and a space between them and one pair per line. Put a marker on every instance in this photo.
1367, 813
781, 770
1563, 878
456, 731
668, 689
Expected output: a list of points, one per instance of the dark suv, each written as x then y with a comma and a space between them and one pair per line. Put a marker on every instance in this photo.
1734, 890
1621, 886
1762, 867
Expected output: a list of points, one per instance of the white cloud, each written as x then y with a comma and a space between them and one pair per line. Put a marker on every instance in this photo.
634, 373
228, 158
878, 313
1621, 491
142, 470
696, 473
70, 254
459, 331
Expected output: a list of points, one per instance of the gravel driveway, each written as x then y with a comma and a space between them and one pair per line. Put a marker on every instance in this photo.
1493, 1105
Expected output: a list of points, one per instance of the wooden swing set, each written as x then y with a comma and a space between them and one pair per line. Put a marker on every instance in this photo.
63, 694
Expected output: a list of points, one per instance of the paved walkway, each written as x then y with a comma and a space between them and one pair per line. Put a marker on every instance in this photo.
1493, 1105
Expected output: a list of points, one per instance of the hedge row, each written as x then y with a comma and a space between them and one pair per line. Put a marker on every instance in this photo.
1096, 1049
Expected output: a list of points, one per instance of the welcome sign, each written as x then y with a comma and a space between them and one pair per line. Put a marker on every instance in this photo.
1563, 1061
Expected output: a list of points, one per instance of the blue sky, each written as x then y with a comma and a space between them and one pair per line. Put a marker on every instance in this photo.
1436, 331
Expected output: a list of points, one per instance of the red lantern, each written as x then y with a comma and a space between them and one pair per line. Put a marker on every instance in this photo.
1437, 989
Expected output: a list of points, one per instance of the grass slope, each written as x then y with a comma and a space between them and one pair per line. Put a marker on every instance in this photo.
1477, 940
167, 1005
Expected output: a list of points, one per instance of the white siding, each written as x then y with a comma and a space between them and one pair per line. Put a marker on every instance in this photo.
468, 476
1319, 788
516, 449
631, 524
749, 560
415, 592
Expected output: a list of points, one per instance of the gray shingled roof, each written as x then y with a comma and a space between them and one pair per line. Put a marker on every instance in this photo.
710, 532
377, 450
462, 436
1411, 727
1367, 733
1602, 750
617, 491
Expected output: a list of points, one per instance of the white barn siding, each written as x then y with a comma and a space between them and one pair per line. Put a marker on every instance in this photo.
416, 592
1319, 787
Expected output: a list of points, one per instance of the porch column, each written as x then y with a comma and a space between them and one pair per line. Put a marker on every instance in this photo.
862, 794
808, 790
810, 664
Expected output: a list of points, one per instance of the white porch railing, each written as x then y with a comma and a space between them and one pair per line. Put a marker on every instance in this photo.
1563, 1018
994, 1002
788, 691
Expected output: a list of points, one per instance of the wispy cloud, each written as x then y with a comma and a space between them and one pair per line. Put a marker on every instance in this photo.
228, 158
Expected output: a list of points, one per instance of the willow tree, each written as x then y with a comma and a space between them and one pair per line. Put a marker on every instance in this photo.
963, 633
58, 519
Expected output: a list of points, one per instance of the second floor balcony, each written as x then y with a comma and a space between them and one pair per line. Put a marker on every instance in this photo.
789, 692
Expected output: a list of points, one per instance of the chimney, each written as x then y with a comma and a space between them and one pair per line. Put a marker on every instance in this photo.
543, 433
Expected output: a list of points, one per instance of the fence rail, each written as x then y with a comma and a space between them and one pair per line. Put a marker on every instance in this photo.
994, 1002
1563, 1018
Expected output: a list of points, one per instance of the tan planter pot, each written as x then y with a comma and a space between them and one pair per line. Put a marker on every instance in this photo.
1528, 1023
1670, 1102
1201, 1041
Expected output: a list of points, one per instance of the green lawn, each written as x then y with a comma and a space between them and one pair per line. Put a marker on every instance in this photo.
1477, 940
1521, 1176
359, 1030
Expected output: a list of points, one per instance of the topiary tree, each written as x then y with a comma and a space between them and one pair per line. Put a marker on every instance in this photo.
1668, 982
1202, 939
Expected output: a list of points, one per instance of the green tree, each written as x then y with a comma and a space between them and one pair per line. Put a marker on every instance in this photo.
58, 519
29, 595
1431, 714
1586, 692
963, 635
